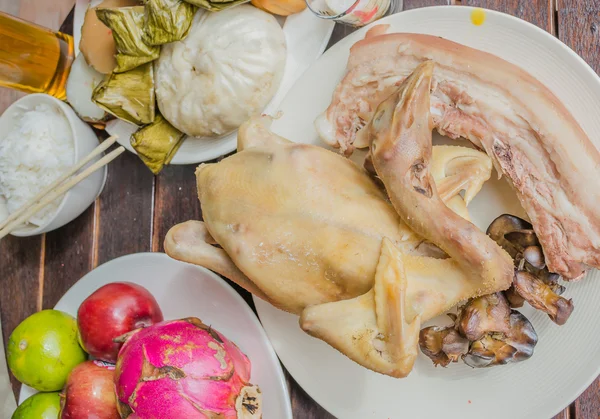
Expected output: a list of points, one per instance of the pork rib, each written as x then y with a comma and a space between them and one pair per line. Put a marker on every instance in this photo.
530, 135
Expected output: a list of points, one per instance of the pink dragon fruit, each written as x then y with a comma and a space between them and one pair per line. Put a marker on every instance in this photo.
184, 369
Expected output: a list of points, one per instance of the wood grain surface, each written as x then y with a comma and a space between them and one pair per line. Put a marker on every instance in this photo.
578, 26
136, 209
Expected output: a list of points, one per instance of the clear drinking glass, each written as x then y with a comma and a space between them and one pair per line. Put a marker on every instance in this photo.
354, 12
34, 59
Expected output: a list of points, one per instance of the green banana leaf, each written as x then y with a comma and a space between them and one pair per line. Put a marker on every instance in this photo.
167, 21
127, 28
157, 143
216, 5
128, 96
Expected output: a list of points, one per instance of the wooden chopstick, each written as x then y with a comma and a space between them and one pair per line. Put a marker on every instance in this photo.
52, 192
103, 146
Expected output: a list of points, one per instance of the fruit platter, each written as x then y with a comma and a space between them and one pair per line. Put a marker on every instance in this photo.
210, 209
177, 295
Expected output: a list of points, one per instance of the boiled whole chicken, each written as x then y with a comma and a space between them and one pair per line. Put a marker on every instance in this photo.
312, 233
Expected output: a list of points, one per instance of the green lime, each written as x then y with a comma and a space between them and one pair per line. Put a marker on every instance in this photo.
43, 349
39, 406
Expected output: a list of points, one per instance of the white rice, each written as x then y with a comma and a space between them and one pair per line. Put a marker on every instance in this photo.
35, 153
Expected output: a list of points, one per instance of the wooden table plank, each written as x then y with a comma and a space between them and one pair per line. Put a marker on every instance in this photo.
176, 201
68, 257
578, 26
124, 220
565, 414
587, 406
303, 406
415, 4
19, 282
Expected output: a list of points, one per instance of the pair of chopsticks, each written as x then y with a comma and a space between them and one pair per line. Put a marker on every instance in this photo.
60, 186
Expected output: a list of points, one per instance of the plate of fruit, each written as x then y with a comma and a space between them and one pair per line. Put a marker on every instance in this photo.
146, 336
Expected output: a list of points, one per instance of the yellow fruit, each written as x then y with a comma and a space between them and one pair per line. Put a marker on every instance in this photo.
43, 349
39, 406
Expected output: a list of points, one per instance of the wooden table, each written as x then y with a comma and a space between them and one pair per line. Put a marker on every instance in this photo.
136, 209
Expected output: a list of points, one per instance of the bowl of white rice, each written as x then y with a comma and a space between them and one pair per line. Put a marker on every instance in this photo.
40, 139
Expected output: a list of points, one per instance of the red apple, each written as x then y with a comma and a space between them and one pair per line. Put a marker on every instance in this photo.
90, 392
112, 311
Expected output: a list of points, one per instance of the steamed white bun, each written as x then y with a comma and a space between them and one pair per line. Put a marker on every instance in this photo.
227, 69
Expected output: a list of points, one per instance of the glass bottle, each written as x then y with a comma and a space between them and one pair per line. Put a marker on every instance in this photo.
34, 59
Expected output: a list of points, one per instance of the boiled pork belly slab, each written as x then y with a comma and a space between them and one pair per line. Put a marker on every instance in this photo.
532, 138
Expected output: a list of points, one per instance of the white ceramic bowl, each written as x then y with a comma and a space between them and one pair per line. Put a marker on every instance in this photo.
81, 196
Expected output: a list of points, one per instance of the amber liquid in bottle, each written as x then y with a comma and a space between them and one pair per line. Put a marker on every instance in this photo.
34, 59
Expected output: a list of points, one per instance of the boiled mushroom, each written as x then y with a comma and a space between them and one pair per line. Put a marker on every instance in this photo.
442, 344
533, 282
489, 313
514, 298
503, 225
489, 351
551, 279
541, 296
497, 334
501, 348
522, 238
534, 256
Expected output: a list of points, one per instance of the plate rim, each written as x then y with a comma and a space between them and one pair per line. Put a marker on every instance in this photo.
272, 355
354, 37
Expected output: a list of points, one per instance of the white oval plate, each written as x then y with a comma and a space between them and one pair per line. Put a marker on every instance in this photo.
306, 38
184, 290
566, 359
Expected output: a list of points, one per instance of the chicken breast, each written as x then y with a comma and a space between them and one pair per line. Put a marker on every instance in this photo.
531, 137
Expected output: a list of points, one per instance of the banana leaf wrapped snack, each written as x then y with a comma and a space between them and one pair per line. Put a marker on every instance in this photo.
128, 96
167, 21
127, 25
216, 5
157, 143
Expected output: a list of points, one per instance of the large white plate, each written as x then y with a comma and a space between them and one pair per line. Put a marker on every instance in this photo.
184, 290
306, 37
566, 359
